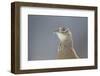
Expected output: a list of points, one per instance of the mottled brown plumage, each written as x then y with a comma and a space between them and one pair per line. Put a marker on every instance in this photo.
65, 50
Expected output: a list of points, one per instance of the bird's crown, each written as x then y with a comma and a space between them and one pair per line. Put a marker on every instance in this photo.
62, 29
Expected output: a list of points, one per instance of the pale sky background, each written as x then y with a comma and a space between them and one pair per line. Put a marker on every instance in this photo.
43, 43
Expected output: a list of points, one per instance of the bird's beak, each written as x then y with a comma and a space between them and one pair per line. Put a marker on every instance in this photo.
55, 32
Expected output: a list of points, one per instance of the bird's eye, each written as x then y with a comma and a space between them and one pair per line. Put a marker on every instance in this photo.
63, 29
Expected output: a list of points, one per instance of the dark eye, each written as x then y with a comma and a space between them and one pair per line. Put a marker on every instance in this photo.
63, 29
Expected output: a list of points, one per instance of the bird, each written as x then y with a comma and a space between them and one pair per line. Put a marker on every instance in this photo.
65, 47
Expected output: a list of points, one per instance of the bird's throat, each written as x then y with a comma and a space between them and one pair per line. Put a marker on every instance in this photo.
61, 37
